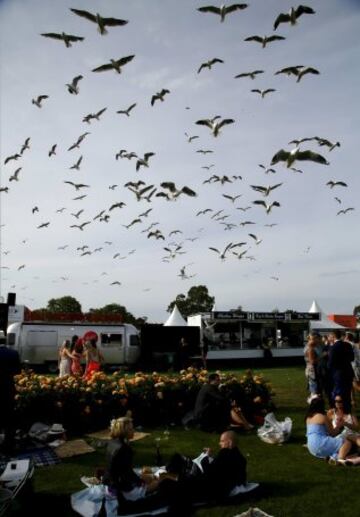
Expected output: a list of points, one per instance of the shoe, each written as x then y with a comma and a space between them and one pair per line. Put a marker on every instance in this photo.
332, 461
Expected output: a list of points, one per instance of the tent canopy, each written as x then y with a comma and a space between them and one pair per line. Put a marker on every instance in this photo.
324, 322
175, 319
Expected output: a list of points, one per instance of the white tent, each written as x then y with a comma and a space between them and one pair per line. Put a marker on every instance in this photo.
175, 319
324, 322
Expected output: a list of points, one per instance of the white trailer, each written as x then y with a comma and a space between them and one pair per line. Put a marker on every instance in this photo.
39, 343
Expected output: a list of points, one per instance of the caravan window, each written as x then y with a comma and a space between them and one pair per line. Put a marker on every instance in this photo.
109, 340
134, 340
42, 338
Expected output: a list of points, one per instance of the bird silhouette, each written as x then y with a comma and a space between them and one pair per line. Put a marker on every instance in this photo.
190, 138
77, 185
127, 111
209, 64
323, 142
112, 187
256, 239
116, 282
205, 211
4, 189
12, 157
34, 209
66, 38
265, 190
157, 234
204, 151
99, 215
73, 86
144, 161
117, 205
174, 193
223, 10
299, 71
52, 150
265, 39
77, 214
38, 100
78, 198
263, 92
215, 124
292, 16
159, 96
43, 225
25, 146
231, 198
333, 184
291, 156
80, 226
76, 145
114, 64
101, 22
228, 247
346, 210
268, 207
15, 176
252, 75
95, 116
76, 165
338, 200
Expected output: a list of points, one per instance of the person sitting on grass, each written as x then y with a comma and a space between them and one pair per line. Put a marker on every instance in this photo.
341, 416
324, 440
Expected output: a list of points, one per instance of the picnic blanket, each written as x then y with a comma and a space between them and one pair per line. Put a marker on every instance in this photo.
73, 448
105, 435
41, 456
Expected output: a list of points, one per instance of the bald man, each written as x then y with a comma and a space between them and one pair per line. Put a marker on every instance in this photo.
227, 470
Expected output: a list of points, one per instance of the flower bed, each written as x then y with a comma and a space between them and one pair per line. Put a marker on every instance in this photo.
155, 399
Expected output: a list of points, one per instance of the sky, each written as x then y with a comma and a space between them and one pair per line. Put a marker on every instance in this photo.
311, 252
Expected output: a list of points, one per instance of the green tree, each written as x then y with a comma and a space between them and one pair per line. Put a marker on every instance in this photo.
63, 304
196, 300
115, 308
356, 311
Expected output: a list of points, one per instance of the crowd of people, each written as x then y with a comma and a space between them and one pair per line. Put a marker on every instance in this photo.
333, 374
73, 353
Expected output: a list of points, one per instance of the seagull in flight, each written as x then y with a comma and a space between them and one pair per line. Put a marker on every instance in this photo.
232, 198
159, 96
144, 161
78, 142
205, 211
80, 226
114, 64
77, 185
25, 146
66, 38
117, 205
215, 124
101, 22
345, 211
73, 86
77, 214
95, 116
267, 207
265, 39
327, 143
12, 157
34, 209
15, 176
127, 111
252, 75
292, 16
204, 151
115, 283
291, 156
174, 193
263, 92
223, 10
77, 164
230, 246
209, 64
52, 150
191, 138
265, 190
299, 71
78, 198
44, 225
333, 184
256, 239
38, 100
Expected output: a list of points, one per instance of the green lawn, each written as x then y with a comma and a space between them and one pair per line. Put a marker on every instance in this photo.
294, 484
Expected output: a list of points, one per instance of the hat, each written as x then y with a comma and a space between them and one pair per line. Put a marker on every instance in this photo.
56, 429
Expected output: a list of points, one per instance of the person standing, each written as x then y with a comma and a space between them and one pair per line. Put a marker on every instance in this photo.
65, 358
183, 354
94, 358
341, 356
311, 361
9, 367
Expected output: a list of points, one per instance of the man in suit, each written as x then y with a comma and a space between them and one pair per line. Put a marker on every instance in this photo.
9, 367
212, 410
341, 356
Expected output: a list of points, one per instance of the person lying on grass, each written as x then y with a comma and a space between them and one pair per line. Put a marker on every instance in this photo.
324, 440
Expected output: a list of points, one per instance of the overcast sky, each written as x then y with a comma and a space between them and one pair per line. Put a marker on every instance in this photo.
311, 253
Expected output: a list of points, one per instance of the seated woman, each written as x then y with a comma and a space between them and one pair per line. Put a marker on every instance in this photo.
341, 416
238, 419
323, 440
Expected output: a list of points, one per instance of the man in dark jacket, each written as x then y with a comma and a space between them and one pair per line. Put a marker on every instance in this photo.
341, 356
9, 367
212, 410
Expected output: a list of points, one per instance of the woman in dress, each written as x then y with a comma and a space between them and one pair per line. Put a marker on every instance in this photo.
65, 359
342, 417
77, 352
324, 440
94, 358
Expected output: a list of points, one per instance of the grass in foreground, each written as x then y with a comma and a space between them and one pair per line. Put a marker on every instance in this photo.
293, 483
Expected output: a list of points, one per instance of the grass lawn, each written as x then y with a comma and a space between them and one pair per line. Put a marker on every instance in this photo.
294, 484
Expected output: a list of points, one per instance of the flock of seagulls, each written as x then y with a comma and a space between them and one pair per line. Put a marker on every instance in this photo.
168, 190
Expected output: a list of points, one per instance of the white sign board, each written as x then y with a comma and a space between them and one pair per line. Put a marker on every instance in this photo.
16, 313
